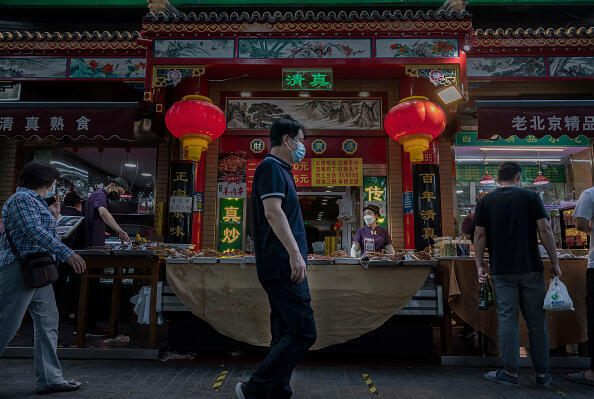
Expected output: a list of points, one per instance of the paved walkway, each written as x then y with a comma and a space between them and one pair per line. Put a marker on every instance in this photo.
150, 379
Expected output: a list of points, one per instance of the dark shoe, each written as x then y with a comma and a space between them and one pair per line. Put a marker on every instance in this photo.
501, 377
68, 386
580, 378
543, 381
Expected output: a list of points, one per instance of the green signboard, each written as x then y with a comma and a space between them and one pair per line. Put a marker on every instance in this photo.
375, 192
470, 139
474, 173
307, 79
230, 224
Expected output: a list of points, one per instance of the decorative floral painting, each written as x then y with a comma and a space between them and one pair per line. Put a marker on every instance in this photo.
33, 67
313, 113
199, 48
107, 68
416, 48
571, 66
304, 48
505, 66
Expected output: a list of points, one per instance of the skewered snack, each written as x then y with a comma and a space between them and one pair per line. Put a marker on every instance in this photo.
208, 253
234, 252
338, 254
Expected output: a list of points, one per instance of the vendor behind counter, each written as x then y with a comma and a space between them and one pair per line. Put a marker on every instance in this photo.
372, 237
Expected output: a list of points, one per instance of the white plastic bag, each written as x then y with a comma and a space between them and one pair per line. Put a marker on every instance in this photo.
557, 297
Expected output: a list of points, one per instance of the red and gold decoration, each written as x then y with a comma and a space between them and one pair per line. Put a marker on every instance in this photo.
196, 121
414, 122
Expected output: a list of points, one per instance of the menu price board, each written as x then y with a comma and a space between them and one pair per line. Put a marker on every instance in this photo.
474, 173
337, 171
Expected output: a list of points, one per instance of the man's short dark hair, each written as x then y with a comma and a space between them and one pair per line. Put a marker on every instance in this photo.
508, 171
280, 127
118, 181
37, 174
72, 199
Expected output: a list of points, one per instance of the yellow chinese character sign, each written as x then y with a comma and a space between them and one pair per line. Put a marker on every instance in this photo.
337, 172
375, 192
230, 224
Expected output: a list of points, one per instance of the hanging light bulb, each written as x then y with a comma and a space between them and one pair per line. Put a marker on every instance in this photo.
487, 178
540, 179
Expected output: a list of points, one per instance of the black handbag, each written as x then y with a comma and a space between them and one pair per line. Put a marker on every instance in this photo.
39, 268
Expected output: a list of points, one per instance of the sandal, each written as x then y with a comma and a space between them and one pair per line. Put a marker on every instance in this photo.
580, 378
68, 386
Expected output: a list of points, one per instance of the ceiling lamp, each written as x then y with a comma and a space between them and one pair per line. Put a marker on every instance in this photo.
196, 121
487, 178
414, 122
540, 180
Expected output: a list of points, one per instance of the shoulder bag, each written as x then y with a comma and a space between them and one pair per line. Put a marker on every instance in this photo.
39, 268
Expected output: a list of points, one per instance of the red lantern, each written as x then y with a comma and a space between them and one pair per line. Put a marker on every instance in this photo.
196, 121
414, 122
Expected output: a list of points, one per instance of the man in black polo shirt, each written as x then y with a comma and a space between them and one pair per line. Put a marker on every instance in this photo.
280, 245
507, 220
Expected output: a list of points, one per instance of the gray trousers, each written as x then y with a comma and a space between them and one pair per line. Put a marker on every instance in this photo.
525, 291
15, 297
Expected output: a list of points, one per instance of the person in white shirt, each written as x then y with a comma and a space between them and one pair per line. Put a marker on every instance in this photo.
584, 214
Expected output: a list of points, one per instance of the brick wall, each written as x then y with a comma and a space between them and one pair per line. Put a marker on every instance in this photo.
8, 151
449, 203
340, 85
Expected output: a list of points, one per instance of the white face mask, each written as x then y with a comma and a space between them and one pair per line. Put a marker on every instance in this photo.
369, 219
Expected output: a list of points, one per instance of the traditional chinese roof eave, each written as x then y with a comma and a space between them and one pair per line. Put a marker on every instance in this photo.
540, 40
306, 22
51, 43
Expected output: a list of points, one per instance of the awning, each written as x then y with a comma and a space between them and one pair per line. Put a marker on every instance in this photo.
74, 120
539, 118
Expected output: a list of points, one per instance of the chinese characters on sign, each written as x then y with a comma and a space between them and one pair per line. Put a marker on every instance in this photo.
318, 146
181, 199
59, 122
538, 122
230, 224
232, 175
257, 146
302, 173
375, 193
337, 171
349, 146
307, 79
427, 204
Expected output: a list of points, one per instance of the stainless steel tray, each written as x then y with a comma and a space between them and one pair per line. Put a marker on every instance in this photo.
249, 259
419, 263
346, 261
177, 260
231, 259
319, 261
204, 260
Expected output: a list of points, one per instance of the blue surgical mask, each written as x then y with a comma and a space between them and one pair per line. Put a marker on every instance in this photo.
51, 193
299, 153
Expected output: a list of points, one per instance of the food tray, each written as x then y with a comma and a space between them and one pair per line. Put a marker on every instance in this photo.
381, 263
177, 260
249, 259
93, 252
346, 261
419, 262
204, 259
133, 252
231, 259
319, 261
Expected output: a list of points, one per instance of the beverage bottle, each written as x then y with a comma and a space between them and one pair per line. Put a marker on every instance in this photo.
483, 297
490, 297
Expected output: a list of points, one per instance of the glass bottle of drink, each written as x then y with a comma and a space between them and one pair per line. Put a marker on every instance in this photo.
490, 298
483, 297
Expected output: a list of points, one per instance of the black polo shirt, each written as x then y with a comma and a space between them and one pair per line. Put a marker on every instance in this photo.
273, 178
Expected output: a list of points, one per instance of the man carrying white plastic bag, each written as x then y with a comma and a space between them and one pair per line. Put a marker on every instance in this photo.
584, 214
557, 297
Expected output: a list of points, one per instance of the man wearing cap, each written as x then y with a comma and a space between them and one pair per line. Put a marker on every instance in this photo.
97, 216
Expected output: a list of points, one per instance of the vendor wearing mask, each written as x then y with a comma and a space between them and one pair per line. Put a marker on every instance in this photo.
97, 216
372, 237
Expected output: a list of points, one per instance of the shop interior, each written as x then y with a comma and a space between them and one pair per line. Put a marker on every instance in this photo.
86, 169
557, 173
